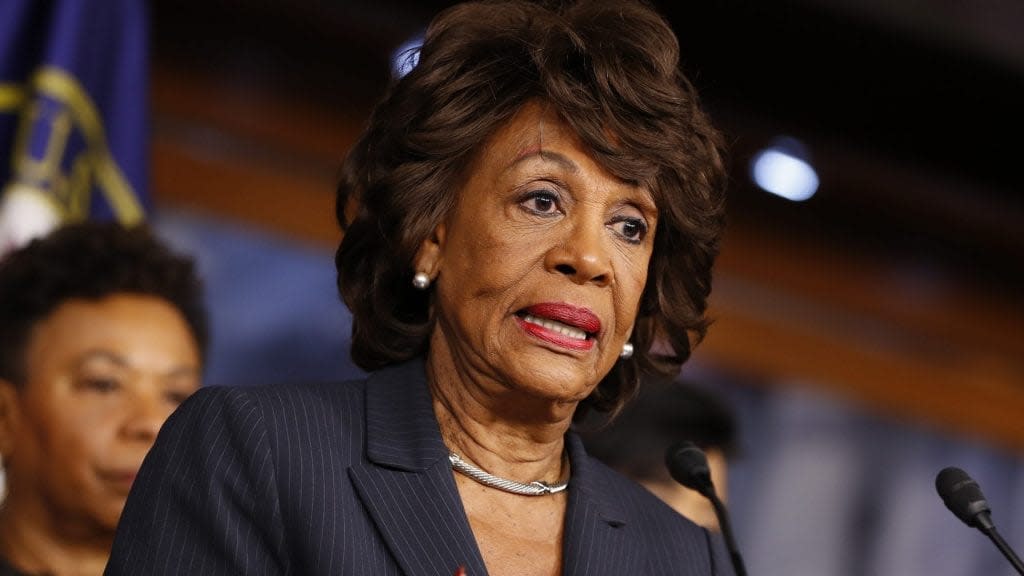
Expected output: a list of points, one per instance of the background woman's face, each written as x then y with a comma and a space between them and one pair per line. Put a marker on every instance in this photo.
541, 266
102, 376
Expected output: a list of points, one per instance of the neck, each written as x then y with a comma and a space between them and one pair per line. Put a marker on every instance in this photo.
495, 426
37, 546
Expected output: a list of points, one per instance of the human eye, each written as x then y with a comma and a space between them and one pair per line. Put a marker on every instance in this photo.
630, 228
541, 202
176, 397
98, 384
177, 388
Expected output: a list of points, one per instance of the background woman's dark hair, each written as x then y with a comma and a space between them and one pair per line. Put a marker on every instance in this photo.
611, 70
90, 260
662, 414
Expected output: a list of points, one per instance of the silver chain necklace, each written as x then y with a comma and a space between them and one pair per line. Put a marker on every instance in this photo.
535, 488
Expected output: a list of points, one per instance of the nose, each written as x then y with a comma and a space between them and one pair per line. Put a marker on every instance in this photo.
146, 414
583, 255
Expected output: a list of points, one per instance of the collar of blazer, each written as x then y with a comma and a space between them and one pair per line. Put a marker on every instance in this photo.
408, 487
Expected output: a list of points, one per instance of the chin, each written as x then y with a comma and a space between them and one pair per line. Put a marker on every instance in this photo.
565, 381
107, 515
108, 523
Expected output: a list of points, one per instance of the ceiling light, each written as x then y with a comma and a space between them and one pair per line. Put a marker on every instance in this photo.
783, 170
406, 56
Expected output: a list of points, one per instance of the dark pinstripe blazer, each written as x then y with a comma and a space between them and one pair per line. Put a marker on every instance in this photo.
354, 479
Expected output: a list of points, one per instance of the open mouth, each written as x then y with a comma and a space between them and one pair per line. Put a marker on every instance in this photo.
563, 329
561, 324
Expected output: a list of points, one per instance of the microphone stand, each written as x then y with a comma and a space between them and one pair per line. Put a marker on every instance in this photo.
1004, 548
688, 465
730, 541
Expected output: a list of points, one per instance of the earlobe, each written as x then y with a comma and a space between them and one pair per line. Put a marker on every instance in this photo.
428, 257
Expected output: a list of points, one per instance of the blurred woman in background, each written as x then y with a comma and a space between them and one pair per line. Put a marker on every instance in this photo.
662, 414
102, 332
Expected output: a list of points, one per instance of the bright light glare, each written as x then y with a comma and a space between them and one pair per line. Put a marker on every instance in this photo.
784, 175
406, 56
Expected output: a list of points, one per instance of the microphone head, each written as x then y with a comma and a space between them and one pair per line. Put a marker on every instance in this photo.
688, 465
963, 497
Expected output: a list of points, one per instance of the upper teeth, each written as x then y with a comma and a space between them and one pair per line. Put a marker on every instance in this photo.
563, 329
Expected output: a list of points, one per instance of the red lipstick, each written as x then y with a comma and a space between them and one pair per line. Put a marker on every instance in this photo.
566, 314
561, 324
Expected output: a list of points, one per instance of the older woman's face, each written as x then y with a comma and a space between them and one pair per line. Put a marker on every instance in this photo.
540, 269
101, 379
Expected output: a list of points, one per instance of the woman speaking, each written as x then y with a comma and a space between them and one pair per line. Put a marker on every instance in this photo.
530, 222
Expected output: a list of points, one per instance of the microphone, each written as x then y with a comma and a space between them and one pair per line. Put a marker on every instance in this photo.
963, 497
688, 465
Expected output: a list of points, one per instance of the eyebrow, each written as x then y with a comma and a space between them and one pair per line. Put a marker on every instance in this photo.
547, 156
189, 371
107, 355
122, 362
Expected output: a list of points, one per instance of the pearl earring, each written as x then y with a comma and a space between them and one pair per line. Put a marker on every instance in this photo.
421, 281
627, 351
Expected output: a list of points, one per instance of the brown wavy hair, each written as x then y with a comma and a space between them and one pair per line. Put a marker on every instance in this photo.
91, 260
611, 70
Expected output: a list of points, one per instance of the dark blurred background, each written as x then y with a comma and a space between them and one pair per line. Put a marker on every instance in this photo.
911, 251
873, 331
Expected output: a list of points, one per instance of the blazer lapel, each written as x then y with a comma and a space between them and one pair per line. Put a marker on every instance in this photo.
597, 540
406, 481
